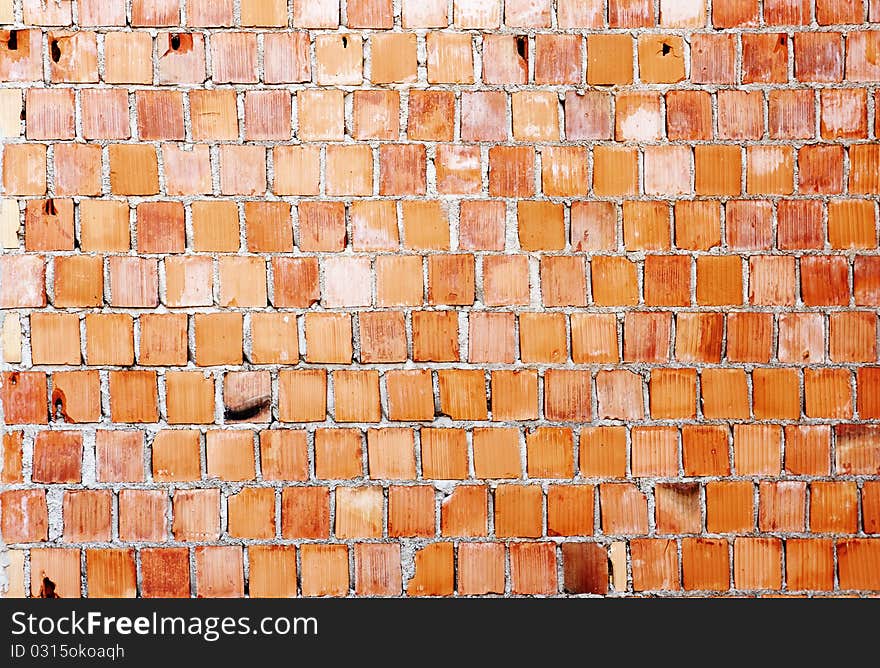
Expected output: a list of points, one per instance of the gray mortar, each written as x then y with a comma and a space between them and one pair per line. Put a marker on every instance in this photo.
408, 547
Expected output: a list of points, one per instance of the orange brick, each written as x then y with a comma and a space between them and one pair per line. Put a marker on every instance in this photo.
324, 570
654, 564
624, 509
111, 573
533, 568
411, 511
444, 454
809, 564
377, 569
359, 512
705, 564
391, 453
704, 450
434, 571
497, 452
465, 512
305, 512
480, 568
603, 452
219, 571
757, 563
338, 454
570, 510
518, 510
619, 395
757, 449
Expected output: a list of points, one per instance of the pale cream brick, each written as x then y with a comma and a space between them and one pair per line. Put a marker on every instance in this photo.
12, 585
618, 565
9, 223
11, 337
10, 111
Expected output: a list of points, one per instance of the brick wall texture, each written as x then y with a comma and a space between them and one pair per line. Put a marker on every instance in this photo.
440, 297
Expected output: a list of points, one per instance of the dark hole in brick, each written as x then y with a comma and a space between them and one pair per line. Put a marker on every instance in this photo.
247, 408
13, 378
23, 115
175, 42
58, 411
666, 49
344, 42
47, 589
55, 50
50, 208
12, 42
522, 47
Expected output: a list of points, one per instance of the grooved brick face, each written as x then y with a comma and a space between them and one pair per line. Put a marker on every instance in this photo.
578, 295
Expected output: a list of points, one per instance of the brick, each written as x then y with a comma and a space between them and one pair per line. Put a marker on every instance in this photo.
807, 450
587, 115
464, 512
128, 58
55, 573
481, 568
533, 568
305, 512
434, 571
496, 452
857, 559
570, 510
757, 449
230, 455
450, 58
272, 571
607, 63
411, 511
181, 58
661, 59
585, 568
338, 454
394, 58
219, 571
444, 454
654, 451
704, 450
358, 512
377, 569
324, 570
624, 509
25, 516
818, 57
390, 453
655, 564
688, 115
833, 507
511, 171
142, 515
603, 452
383, 337
196, 514
165, 572
74, 56
792, 114
619, 395
176, 455
713, 58
757, 563
705, 564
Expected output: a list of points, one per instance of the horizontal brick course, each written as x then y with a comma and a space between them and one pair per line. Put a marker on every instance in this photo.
430, 298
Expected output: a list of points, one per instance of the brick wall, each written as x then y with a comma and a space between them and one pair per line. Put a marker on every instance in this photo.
435, 297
